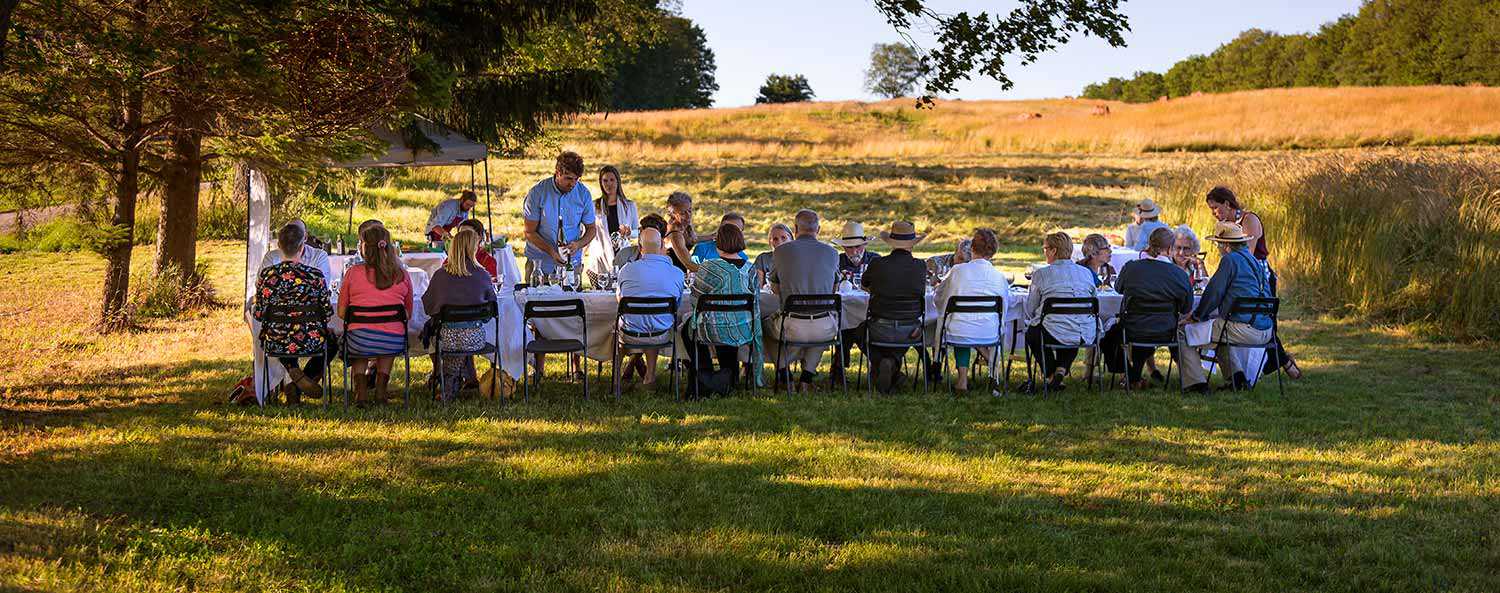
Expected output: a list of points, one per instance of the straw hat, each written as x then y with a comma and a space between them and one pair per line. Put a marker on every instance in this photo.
1147, 208
853, 235
1228, 232
903, 235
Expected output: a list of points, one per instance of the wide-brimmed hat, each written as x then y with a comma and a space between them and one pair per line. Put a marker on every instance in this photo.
1147, 208
1228, 232
853, 235
903, 235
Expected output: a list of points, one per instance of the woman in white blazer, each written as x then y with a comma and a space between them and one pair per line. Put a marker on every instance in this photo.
613, 213
976, 277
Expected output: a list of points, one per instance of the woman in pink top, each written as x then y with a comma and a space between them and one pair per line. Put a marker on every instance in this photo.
379, 281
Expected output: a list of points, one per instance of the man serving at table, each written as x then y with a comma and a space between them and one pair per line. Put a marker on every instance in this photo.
449, 214
558, 205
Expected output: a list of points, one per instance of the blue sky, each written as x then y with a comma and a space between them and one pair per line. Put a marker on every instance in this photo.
829, 42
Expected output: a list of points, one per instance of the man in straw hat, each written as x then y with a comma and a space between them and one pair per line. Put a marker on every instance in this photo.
1239, 275
852, 261
1147, 219
893, 280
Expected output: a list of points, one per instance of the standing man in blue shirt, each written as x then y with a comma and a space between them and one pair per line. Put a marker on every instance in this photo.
558, 205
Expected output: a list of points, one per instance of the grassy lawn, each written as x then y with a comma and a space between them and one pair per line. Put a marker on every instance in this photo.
120, 470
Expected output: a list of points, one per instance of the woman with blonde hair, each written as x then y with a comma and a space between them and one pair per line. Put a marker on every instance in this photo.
1061, 278
378, 281
462, 281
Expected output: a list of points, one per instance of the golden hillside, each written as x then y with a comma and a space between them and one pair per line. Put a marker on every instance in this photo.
1268, 119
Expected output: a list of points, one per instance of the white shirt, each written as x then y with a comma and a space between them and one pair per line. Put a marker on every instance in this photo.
1063, 279
975, 278
312, 257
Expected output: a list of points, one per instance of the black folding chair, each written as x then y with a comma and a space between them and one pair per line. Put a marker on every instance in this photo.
378, 314
559, 309
667, 338
450, 314
974, 304
278, 313
912, 310
1131, 308
1066, 306
1254, 307
812, 306
722, 303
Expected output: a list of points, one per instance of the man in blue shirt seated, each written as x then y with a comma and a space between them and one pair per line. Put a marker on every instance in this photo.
1239, 275
707, 250
653, 275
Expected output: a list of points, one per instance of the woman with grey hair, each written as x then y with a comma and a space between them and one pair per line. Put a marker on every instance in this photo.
1096, 252
1185, 255
938, 265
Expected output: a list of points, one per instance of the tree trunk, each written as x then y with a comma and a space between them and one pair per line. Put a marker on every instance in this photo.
177, 233
7, 7
112, 315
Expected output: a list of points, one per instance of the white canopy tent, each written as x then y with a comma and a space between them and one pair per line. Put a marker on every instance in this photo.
452, 149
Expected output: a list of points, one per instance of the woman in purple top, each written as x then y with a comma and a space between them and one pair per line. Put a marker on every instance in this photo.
462, 281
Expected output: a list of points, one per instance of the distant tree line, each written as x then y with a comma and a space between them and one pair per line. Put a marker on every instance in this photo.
1387, 43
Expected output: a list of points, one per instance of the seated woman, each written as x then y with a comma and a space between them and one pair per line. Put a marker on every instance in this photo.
726, 274
379, 281
1061, 278
1096, 253
482, 253
766, 262
1185, 256
294, 284
460, 282
975, 276
938, 265
1150, 280
681, 239
1239, 275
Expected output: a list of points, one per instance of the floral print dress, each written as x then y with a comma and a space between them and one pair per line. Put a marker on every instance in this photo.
293, 285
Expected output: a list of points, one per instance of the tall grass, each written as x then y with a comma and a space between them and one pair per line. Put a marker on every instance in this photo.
1410, 238
1251, 120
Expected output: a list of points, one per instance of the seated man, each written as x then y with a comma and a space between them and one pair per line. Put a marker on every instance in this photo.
892, 279
1061, 278
1239, 275
938, 265
803, 266
653, 275
1147, 217
707, 250
852, 262
1153, 279
448, 214
310, 256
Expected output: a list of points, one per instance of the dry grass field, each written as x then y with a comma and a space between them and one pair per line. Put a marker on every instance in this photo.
120, 470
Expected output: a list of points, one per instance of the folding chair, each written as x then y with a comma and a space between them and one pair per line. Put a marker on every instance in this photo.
379, 314
466, 314
1254, 307
559, 309
812, 306
721, 303
1129, 308
668, 337
1065, 306
916, 312
974, 304
279, 313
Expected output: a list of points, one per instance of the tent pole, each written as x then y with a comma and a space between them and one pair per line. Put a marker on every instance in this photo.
471, 175
489, 211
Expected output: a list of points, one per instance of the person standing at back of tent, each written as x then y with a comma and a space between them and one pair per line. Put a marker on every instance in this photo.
559, 204
448, 214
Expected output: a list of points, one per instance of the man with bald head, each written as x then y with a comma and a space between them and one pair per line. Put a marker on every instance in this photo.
653, 275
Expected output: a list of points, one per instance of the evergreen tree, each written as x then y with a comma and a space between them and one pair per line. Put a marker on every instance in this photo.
781, 88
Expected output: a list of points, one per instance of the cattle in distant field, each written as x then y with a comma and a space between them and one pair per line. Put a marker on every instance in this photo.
1162, 99
1101, 110
1026, 116
1196, 94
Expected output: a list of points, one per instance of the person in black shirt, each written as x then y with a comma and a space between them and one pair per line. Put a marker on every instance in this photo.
897, 285
1151, 279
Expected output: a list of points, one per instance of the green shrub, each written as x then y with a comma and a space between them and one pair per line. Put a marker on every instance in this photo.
168, 295
1412, 239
